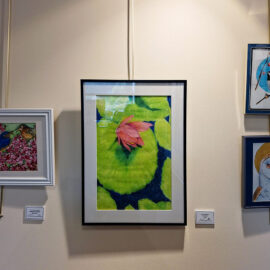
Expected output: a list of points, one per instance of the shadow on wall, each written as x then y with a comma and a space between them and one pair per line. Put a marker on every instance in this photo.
255, 221
98, 239
18, 197
256, 123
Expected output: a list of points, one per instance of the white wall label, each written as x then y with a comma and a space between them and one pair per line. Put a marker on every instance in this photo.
205, 217
34, 212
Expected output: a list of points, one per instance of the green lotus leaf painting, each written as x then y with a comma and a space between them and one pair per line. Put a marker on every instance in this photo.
133, 152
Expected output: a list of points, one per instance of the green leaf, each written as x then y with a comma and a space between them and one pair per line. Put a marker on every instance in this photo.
140, 114
129, 207
31, 125
100, 105
9, 127
156, 102
108, 106
144, 108
165, 205
146, 204
15, 133
120, 170
163, 133
12, 126
166, 181
104, 200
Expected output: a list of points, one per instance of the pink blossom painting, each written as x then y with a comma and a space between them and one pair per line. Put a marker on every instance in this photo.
18, 148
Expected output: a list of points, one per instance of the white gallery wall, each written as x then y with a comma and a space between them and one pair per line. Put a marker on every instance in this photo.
54, 44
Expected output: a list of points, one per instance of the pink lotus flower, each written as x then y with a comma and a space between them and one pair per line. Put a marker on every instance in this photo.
128, 132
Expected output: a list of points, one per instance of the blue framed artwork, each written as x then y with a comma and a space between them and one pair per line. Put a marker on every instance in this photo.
258, 79
256, 171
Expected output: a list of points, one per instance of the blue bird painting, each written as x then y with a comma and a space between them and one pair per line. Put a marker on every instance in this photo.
4, 140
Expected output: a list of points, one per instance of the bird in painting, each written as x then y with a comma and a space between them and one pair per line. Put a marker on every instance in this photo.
5, 140
6, 136
26, 132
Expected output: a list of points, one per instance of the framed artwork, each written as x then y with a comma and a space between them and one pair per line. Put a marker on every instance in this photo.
26, 147
258, 79
256, 169
133, 152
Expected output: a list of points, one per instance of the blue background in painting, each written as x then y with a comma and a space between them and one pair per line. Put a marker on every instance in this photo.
263, 80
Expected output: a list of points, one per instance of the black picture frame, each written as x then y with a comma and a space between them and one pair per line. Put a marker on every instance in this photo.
123, 83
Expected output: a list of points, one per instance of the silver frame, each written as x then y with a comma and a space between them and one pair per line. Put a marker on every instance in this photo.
49, 180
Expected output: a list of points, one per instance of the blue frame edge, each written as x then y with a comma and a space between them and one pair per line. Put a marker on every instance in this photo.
247, 142
248, 110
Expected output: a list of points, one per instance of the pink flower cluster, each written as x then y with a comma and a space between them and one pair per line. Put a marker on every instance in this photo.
20, 155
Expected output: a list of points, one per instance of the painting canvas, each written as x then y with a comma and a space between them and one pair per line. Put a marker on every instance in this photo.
261, 172
258, 79
26, 147
257, 171
18, 148
133, 152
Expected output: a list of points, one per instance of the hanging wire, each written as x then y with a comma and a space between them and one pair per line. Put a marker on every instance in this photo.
130, 36
7, 88
128, 40
8, 55
268, 20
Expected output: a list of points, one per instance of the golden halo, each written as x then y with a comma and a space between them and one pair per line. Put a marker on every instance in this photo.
261, 154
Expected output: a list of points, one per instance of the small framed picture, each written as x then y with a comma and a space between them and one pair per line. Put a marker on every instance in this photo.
258, 79
256, 171
26, 147
134, 157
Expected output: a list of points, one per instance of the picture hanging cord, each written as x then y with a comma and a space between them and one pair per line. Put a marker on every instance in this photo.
6, 89
8, 55
130, 41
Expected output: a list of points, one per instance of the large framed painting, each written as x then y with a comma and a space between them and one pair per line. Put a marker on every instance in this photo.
258, 79
26, 147
133, 152
256, 169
